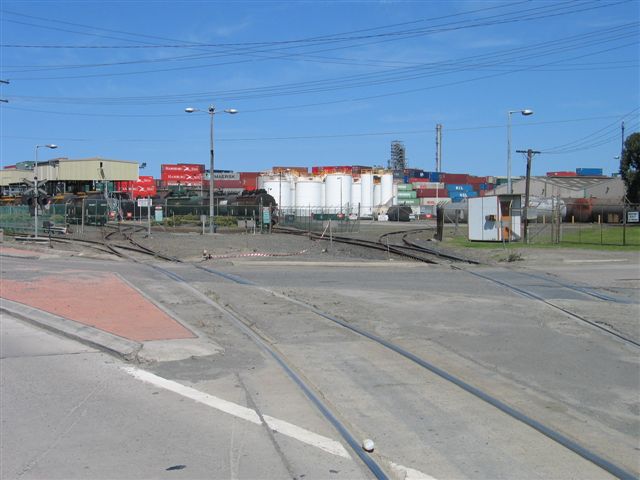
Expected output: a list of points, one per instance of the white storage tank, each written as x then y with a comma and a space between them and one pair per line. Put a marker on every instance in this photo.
356, 196
386, 192
338, 188
279, 187
377, 194
308, 195
366, 194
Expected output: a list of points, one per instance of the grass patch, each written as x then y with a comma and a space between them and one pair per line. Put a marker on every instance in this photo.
587, 237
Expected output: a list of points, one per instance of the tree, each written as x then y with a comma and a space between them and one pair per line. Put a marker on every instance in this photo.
630, 167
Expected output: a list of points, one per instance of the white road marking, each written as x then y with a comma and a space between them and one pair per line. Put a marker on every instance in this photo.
596, 261
200, 397
409, 473
281, 426
307, 436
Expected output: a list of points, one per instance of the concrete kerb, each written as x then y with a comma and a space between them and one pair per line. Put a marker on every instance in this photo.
91, 336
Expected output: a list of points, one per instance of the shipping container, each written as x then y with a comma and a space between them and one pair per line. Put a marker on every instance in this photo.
562, 174
434, 201
432, 192
407, 194
456, 178
408, 201
476, 180
182, 168
298, 170
459, 187
589, 172
405, 187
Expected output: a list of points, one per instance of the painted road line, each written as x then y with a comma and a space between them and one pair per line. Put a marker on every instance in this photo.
283, 427
409, 473
610, 260
196, 395
306, 436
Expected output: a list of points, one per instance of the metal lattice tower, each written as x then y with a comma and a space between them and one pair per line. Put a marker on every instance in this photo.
398, 159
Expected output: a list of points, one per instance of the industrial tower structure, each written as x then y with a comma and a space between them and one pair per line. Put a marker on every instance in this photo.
398, 159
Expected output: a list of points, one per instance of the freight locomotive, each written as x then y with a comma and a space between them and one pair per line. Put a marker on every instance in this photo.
98, 209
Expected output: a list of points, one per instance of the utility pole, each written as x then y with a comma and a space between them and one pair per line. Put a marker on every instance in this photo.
530, 153
438, 147
622, 142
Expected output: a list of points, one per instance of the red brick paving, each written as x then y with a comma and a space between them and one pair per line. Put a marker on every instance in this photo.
17, 252
103, 301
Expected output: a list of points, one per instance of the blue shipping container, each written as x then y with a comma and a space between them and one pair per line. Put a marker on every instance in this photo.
459, 188
589, 172
434, 176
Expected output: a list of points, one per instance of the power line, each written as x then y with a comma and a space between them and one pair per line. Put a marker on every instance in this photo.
355, 134
549, 48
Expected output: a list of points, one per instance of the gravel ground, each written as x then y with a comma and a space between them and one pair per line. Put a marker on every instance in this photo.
189, 244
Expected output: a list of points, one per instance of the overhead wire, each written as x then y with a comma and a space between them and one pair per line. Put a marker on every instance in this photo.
599, 137
300, 55
540, 49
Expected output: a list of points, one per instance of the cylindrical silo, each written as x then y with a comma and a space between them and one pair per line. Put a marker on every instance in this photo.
279, 187
308, 196
366, 194
338, 188
386, 192
356, 196
377, 194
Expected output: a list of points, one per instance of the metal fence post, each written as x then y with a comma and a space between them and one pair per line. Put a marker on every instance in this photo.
624, 224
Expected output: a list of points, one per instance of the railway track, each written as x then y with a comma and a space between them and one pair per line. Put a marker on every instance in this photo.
265, 343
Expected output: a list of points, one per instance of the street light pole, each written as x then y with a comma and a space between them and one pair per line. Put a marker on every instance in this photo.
35, 185
524, 112
212, 112
212, 228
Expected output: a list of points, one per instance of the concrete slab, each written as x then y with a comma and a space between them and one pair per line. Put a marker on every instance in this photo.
172, 350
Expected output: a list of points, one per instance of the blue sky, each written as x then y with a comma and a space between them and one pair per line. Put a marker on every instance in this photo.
321, 83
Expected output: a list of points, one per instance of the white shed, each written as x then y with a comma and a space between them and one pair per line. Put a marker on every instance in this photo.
495, 218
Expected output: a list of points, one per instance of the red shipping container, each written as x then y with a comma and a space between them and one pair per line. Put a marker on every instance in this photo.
300, 170
182, 177
249, 180
223, 184
476, 180
432, 193
562, 174
455, 178
182, 167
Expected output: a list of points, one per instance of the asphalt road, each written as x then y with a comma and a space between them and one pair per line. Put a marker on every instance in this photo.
96, 419
70, 411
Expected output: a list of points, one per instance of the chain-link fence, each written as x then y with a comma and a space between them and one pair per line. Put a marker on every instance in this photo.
21, 218
320, 219
601, 224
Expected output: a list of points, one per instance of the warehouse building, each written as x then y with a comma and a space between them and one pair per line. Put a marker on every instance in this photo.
64, 175
604, 188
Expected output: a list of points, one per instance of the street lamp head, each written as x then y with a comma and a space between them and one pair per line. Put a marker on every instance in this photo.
526, 112
51, 145
190, 109
231, 111
212, 109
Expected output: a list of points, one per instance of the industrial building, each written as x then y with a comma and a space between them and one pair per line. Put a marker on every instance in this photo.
604, 188
64, 175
